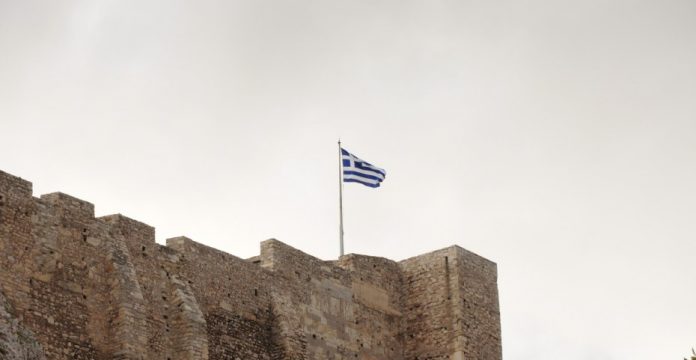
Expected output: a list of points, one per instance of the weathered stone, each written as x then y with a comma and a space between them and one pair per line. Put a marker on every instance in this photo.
16, 342
102, 288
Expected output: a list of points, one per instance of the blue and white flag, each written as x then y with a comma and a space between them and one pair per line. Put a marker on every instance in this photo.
360, 171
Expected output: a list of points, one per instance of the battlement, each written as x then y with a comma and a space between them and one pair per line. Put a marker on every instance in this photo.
101, 288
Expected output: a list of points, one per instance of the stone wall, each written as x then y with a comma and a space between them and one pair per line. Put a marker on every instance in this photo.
451, 306
102, 288
16, 342
235, 298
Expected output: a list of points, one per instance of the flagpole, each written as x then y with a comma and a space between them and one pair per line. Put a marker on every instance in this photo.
340, 195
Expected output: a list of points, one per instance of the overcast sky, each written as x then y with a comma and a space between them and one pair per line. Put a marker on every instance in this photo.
556, 138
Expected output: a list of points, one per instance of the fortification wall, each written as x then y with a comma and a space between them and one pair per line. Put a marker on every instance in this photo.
451, 306
235, 296
331, 310
102, 288
16, 342
173, 326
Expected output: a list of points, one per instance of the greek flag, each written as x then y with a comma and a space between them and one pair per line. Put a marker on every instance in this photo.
360, 171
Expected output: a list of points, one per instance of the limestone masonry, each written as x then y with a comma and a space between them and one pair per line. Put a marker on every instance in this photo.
73, 286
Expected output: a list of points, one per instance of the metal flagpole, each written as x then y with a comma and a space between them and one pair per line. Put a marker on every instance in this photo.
340, 194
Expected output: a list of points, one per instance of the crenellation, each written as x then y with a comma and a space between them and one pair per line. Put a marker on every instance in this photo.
136, 233
14, 187
102, 288
69, 206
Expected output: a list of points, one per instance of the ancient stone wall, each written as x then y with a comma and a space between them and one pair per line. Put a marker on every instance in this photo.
451, 306
102, 288
16, 342
234, 294
334, 310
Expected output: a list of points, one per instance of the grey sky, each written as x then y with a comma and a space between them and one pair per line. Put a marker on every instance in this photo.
556, 138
